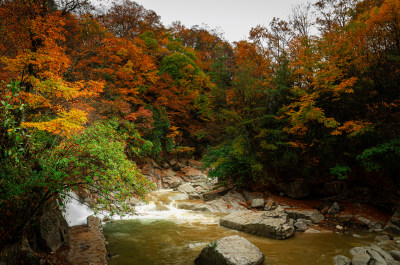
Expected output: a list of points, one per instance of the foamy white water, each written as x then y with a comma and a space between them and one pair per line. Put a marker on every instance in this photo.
76, 213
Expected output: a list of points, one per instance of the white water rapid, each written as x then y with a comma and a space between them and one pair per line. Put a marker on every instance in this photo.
76, 212
161, 206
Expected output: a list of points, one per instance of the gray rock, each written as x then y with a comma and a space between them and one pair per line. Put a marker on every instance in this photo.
172, 182
306, 221
272, 224
334, 209
300, 226
386, 256
376, 257
215, 193
360, 259
52, 229
393, 226
395, 254
358, 250
232, 250
229, 203
312, 215
367, 221
187, 188
341, 260
257, 203
312, 231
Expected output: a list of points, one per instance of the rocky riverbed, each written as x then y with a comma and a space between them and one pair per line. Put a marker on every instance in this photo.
194, 198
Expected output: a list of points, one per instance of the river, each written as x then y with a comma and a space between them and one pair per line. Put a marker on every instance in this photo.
162, 234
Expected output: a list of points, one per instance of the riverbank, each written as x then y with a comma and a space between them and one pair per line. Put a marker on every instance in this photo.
192, 191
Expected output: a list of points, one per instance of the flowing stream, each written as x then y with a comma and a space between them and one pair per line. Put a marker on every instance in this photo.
162, 234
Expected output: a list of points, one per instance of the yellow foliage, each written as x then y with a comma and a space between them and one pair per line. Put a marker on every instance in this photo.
66, 124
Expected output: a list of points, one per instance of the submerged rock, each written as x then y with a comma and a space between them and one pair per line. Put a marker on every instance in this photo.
231, 250
272, 224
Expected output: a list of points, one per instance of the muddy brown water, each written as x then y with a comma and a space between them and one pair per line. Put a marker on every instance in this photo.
176, 237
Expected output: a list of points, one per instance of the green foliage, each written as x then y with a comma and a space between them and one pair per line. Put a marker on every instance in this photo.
179, 66
136, 145
94, 159
229, 162
149, 39
214, 244
339, 171
13, 136
382, 155
159, 135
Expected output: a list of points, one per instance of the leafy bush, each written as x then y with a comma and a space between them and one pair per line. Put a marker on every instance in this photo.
339, 171
382, 155
94, 159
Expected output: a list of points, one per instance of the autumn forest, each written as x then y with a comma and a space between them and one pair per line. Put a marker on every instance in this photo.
87, 95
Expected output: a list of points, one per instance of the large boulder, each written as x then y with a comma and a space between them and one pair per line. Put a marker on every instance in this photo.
272, 224
229, 203
231, 250
51, 228
258, 203
393, 226
172, 182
